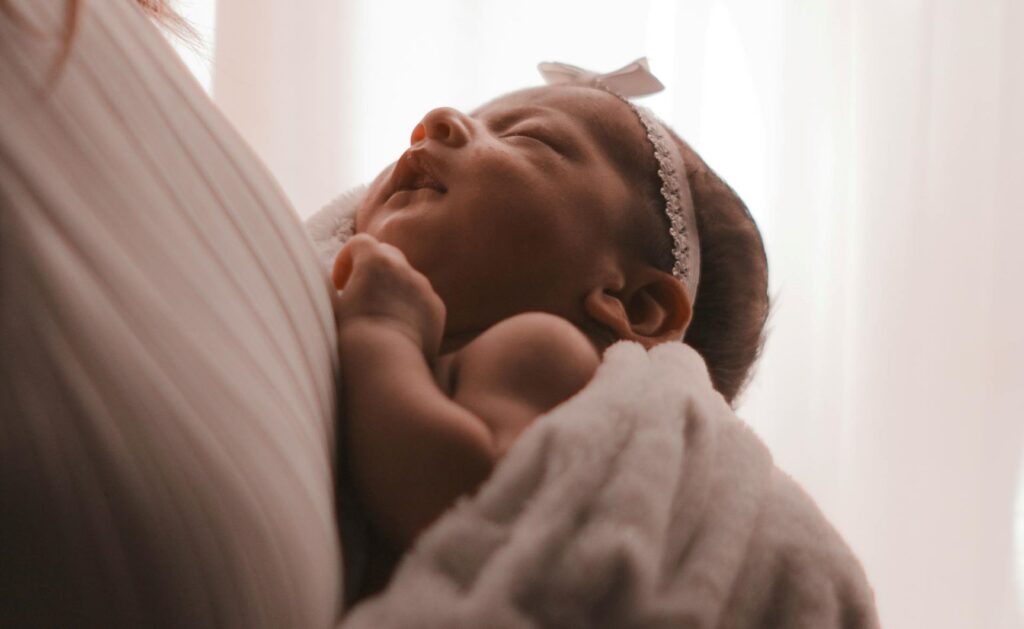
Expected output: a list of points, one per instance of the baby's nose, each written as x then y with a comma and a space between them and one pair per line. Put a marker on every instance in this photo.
444, 124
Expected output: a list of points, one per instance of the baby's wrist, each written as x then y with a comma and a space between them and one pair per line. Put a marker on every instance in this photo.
377, 329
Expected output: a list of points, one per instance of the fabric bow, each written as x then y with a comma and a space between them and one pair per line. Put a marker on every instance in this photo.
632, 79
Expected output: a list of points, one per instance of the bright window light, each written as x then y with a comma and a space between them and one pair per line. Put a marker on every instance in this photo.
198, 56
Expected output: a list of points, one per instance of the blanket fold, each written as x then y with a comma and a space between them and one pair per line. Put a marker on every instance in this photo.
642, 501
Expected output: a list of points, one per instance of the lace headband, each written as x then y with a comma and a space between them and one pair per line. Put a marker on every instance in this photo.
635, 79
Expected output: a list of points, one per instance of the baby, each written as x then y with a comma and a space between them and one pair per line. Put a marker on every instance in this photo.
493, 264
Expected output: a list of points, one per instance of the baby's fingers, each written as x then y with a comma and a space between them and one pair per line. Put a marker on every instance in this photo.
360, 249
344, 260
357, 245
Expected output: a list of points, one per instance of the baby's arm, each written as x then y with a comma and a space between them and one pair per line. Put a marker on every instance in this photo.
413, 448
521, 368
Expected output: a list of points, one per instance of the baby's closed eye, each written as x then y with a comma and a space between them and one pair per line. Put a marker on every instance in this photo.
519, 369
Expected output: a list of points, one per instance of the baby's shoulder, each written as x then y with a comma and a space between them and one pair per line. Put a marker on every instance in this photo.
540, 357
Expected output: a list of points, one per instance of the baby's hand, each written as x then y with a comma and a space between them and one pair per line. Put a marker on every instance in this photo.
380, 285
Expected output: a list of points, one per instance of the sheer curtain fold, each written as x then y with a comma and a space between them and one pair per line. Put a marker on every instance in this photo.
276, 76
878, 144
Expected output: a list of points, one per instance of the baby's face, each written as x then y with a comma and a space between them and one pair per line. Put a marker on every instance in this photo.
512, 208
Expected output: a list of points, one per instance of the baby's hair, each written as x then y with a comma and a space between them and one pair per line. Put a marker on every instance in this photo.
731, 308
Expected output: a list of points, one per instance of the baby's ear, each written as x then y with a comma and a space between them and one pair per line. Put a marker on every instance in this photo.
652, 308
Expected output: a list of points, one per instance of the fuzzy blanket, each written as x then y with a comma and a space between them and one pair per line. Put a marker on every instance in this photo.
642, 501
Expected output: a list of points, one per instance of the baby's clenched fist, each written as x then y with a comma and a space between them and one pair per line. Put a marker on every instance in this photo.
378, 284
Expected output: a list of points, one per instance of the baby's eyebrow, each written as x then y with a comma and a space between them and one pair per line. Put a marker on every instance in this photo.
569, 133
509, 117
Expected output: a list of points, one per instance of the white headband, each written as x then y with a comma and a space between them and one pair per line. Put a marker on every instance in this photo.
635, 79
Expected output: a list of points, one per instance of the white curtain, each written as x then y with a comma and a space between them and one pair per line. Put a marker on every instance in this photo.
878, 144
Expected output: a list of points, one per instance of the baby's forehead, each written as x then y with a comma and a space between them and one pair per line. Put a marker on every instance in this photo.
577, 101
601, 115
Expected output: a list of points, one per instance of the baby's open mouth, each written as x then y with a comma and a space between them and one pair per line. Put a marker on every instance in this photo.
415, 172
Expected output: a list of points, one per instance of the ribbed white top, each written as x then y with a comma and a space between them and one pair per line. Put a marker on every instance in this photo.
167, 348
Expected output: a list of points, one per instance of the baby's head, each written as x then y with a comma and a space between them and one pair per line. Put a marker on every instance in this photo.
548, 199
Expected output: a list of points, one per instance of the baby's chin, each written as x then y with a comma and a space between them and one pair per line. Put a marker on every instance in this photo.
419, 230
402, 211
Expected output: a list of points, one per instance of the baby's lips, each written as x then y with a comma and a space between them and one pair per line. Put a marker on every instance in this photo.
426, 181
414, 171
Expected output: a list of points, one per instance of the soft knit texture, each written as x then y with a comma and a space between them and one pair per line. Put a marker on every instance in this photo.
334, 224
642, 501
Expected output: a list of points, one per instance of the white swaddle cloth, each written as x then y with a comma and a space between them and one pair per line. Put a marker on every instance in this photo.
642, 501
334, 224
